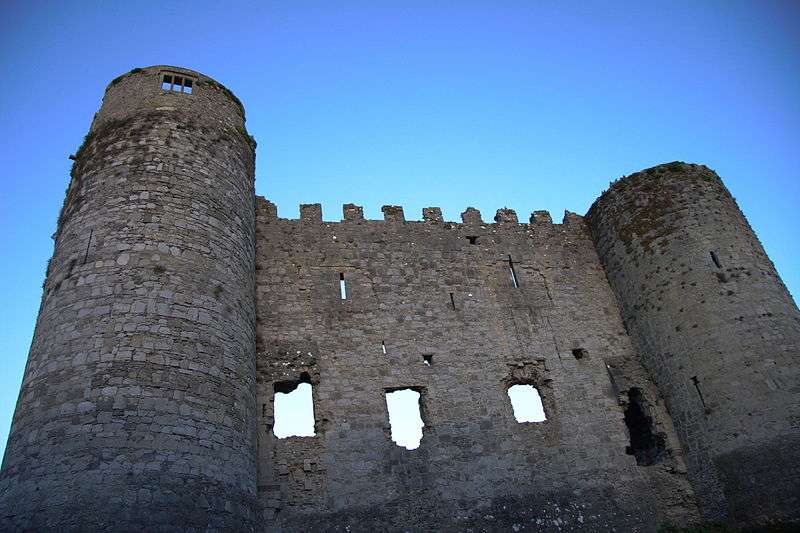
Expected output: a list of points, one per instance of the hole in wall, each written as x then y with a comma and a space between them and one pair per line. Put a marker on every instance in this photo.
473, 239
527, 403
427, 359
405, 417
715, 258
646, 445
580, 353
293, 404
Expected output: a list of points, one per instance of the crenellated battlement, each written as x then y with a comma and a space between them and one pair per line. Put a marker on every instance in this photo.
394, 214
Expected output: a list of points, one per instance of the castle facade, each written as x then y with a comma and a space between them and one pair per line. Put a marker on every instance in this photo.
656, 332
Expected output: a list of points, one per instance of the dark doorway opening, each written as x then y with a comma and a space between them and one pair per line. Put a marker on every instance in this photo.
648, 446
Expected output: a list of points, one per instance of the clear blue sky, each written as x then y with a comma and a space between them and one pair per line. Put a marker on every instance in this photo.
530, 105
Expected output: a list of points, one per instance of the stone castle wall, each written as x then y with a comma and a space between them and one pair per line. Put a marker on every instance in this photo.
476, 466
177, 304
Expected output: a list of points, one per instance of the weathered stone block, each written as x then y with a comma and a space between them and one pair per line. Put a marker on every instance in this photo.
541, 217
311, 212
393, 213
471, 216
432, 214
353, 212
506, 216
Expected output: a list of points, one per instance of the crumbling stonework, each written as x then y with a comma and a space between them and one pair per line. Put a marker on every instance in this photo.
177, 304
422, 288
717, 330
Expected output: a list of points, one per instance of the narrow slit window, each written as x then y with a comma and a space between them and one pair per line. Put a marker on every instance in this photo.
527, 403
88, 245
715, 259
342, 287
513, 273
383, 347
452, 301
700, 394
294, 409
405, 417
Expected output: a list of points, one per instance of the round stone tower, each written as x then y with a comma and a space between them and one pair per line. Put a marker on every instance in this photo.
137, 408
717, 330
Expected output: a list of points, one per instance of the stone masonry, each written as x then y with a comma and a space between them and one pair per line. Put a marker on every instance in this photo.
177, 304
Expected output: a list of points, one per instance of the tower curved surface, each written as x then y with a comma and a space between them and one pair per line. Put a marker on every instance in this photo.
137, 408
717, 330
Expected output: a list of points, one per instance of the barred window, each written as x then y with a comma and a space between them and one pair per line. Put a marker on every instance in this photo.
178, 84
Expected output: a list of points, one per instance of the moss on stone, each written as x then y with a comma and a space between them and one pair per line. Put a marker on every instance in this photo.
660, 186
227, 92
123, 76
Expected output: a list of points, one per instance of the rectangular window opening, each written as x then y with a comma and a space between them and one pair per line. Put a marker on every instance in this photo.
342, 287
405, 417
513, 272
294, 408
427, 359
527, 403
648, 446
383, 347
178, 84
473, 239
715, 259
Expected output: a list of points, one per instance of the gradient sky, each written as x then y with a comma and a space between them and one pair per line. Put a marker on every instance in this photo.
530, 105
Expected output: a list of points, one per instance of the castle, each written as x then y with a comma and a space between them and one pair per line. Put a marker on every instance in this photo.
661, 342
